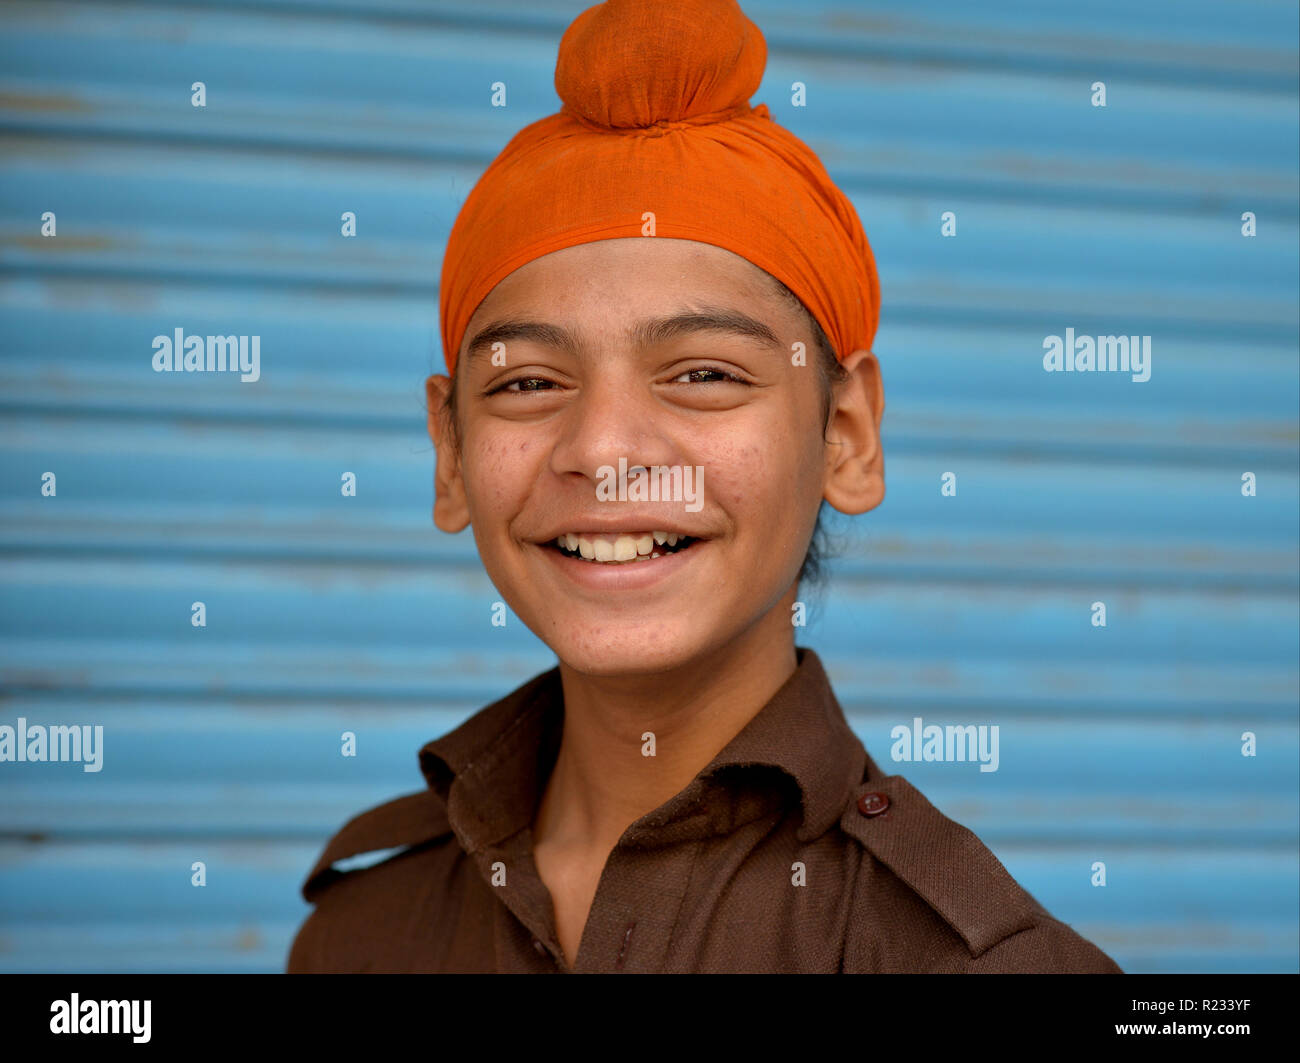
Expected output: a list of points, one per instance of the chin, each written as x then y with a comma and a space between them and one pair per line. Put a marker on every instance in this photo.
594, 654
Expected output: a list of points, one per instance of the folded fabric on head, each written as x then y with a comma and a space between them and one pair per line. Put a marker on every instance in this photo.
656, 138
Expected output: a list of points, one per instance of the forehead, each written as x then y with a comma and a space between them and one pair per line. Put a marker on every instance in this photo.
627, 278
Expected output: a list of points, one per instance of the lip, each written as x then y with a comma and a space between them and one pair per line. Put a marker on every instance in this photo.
630, 575
623, 527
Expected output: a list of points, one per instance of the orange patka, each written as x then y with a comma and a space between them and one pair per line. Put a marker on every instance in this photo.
656, 138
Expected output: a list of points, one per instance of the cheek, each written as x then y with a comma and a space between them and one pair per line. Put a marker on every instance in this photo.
499, 470
773, 477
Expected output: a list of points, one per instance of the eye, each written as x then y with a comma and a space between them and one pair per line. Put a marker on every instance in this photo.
522, 384
707, 375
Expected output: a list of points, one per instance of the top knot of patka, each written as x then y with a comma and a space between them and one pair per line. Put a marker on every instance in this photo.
634, 64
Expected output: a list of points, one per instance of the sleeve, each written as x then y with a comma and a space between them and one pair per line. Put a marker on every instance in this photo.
1050, 947
306, 954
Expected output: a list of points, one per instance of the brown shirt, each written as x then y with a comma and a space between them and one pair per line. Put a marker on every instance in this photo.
790, 852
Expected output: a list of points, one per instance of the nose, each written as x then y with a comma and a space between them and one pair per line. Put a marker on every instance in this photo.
615, 415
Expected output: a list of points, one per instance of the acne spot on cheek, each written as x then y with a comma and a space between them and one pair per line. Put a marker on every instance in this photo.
496, 470
733, 473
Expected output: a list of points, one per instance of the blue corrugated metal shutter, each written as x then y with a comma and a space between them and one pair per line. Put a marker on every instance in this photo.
327, 614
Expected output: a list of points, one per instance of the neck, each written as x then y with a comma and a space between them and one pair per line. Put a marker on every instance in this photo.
602, 782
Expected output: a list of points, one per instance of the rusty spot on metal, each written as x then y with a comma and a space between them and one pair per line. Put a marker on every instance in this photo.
25, 101
846, 21
64, 243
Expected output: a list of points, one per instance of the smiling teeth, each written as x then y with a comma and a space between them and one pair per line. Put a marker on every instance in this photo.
618, 548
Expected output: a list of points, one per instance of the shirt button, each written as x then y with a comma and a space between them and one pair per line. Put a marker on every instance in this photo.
537, 944
873, 804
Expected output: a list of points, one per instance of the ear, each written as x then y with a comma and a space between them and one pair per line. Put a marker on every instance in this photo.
450, 507
855, 467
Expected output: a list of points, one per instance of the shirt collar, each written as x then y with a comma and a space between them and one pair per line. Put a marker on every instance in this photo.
490, 770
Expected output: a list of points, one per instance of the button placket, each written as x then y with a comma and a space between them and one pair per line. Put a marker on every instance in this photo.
635, 910
523, 898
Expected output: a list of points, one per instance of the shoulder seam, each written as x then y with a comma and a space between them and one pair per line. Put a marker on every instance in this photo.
942, 862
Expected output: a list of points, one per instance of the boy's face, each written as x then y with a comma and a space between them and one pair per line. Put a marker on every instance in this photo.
582, 388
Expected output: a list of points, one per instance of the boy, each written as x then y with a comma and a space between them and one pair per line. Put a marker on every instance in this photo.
657, 312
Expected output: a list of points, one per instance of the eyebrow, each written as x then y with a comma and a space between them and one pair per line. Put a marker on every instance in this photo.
643, 334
